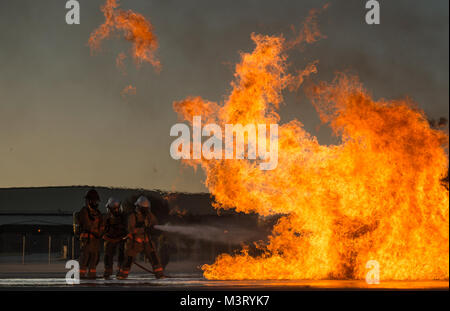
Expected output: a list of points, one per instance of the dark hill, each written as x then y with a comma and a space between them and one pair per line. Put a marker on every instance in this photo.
70, 199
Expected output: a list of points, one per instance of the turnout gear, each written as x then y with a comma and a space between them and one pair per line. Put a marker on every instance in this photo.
91, 228
111, 247
139, 240
115, 232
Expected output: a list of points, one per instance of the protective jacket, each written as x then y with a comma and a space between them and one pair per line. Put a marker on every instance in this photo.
91, 223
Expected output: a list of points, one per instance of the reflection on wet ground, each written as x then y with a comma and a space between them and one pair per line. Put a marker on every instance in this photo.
186, 281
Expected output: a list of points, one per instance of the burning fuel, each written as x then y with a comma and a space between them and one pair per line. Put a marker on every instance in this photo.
135, 28
128, 90
375, 196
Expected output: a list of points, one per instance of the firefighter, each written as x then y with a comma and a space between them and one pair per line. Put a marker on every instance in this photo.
140, 223
91, 227
114, 234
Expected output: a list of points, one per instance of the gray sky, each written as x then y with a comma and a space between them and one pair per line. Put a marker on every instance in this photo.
63, 121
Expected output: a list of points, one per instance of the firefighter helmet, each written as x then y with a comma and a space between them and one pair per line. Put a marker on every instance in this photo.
112, 203
142, 201
92, 195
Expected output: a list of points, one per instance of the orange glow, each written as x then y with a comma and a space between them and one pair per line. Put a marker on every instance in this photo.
120, 62
309, 32
135, 28
128, 90
375, 196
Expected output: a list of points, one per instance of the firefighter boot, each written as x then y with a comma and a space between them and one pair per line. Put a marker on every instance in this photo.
92, 275
122, 275
83, 275
107, 273
159, 273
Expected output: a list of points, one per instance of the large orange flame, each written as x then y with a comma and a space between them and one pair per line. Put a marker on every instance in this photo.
375, 196
135, 28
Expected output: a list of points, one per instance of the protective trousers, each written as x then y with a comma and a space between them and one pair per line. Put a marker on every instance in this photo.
89, 256
133, 248
111, 247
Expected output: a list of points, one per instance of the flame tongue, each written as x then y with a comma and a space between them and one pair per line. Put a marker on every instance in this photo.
376, 196
135, 28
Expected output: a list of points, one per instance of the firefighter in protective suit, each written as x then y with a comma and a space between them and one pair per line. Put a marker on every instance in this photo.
138, 239
91, 228
114, 234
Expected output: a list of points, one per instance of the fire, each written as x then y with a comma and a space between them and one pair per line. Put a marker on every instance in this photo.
120, 63
128, 90
136, 29
310, 31
375, 196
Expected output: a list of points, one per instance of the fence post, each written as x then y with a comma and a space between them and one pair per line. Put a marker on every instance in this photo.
49, 247
23, 249
73, 247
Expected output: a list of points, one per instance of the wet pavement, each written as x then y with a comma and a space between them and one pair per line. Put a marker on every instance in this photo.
196, 282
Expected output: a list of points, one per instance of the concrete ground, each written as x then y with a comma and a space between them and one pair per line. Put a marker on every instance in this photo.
182, 276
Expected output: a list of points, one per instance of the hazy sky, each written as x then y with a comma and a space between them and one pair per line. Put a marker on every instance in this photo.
64, 122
